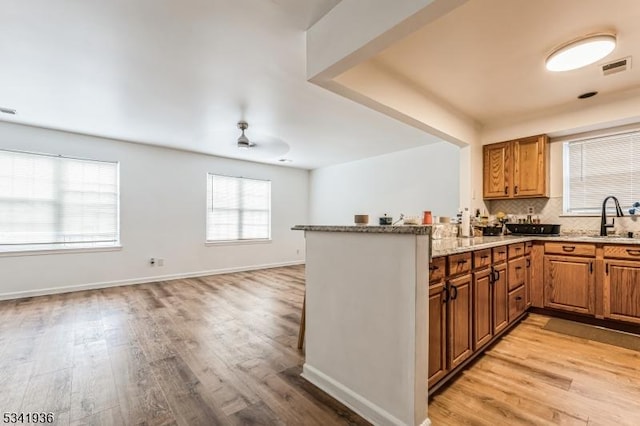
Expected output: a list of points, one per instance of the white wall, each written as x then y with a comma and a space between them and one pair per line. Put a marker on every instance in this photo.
409, 182
163, 205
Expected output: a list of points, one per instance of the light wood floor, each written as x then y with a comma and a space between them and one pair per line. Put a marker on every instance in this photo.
537, 377
222, 350
202, 351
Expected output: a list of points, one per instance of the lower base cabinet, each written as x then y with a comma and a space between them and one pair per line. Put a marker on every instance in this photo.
482, 307
622, 290
450, 321
437, 332
517, 303
500, 298
569, 284
459, 318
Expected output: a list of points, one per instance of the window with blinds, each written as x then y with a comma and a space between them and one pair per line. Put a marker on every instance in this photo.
598, 167
238, 208
57, 201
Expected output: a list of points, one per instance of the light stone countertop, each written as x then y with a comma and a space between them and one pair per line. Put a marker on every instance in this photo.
381, 229
449, 246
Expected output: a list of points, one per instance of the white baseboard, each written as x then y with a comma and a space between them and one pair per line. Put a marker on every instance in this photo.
353, 400
142, 280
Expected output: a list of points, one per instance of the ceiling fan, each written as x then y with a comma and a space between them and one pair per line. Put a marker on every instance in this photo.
266, 147
243, 140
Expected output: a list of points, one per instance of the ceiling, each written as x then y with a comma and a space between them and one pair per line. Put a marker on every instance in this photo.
181, 73
486, 57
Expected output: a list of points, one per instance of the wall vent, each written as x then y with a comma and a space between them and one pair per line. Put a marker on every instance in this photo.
617, 66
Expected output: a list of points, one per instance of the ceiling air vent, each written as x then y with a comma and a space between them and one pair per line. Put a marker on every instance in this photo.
617, 66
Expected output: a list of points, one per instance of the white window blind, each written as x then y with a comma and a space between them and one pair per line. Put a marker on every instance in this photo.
598, 167
238, 208
55, 200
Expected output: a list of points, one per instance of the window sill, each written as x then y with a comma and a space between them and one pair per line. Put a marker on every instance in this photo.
237, 242
37, 250
580, 215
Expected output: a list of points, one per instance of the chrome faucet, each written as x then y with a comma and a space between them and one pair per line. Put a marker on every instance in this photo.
603, 219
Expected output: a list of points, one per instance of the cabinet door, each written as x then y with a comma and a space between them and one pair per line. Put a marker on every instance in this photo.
459, 318
517, 272
496, 170
622, 290
482, 308
516, 304
527, 281
437, 333
530, 167
569, 284
500, 298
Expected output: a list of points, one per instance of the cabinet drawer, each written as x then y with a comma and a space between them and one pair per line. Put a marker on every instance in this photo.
630, 252
527, 247
516, 250
499, 254
436, 269
481, 258
571, 249
459, 263
517, 272
517, 303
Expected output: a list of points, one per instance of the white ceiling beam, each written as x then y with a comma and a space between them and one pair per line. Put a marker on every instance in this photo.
355, 30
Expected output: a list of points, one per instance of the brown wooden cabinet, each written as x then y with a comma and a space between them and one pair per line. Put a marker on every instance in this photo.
516, 169
482, 307
459, 320
450, 317
517, 281
530, 167
517, 272
500, 298
622, 290
621, 283
497, 170
437, 332
569, 283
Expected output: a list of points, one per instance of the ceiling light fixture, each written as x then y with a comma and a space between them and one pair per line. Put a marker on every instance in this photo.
581, 52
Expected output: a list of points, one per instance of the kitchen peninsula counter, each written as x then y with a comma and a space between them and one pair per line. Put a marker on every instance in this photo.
381, 229
366, 344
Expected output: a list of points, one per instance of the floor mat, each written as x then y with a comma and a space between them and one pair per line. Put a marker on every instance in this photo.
597, 334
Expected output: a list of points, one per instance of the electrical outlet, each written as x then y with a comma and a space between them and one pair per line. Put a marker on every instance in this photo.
152, 261
160, 262
530, 210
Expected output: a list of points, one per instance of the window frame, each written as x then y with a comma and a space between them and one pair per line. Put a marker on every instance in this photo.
19, 249
238, 241
566, 185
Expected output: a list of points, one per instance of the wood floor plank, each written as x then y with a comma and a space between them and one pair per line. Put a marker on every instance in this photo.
49, 393
93, 390
141, 400
13, 385
108, 417
190, 405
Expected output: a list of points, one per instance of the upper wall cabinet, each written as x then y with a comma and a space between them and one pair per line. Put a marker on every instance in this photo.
516, 169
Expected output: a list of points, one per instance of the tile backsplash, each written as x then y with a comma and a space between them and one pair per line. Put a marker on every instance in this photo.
549, 210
